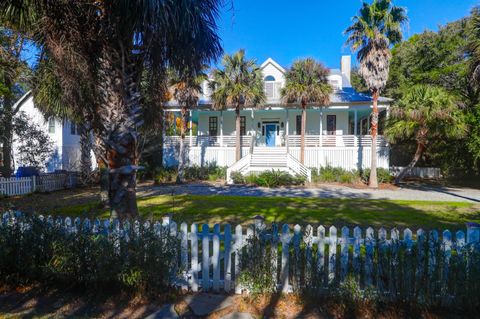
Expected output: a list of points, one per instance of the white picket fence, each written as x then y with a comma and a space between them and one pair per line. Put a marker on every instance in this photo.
44, 183
415, 265
210, 258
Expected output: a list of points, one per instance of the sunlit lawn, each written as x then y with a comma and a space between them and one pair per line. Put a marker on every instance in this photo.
241, 209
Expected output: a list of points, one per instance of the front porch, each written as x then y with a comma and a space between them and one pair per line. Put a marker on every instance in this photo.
334, 137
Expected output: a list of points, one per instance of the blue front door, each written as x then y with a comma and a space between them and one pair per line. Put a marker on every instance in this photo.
270, 130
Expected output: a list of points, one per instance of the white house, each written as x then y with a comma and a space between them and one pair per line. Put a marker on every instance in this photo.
63, 134
336, 135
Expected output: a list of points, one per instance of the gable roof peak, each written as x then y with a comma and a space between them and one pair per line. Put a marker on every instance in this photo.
272, 62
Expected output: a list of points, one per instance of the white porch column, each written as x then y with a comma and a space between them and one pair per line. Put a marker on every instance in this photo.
221, 128
321, 125
191, 127
253, 139
355, 138
286, 128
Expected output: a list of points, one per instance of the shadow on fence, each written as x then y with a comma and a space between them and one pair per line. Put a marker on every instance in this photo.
424, 267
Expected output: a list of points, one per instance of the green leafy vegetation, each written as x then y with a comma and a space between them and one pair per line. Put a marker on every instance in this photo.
273, 178
142, 260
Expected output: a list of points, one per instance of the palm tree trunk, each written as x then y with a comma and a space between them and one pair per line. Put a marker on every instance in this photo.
238, 150
119, 112
7, 137
418, 154
302, 133
373, 183
85, 158
181, 160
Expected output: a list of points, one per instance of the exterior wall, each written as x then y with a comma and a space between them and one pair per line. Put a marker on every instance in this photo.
55, 161
66, 146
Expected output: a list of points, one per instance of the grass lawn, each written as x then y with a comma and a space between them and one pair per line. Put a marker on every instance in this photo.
241, 209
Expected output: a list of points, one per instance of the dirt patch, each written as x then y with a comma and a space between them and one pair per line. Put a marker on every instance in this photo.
43, 203
32, 301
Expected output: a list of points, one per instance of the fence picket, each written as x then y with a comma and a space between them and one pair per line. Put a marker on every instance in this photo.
419, 275
408, 262
285, 239
344, 253
194, 260
321, 254
308, 240
382, 263
296, 247
447, 253
332, 253
357, 234
227, 257
205, 258
275, 252
238, 254
216, 258
184, 252
369, 249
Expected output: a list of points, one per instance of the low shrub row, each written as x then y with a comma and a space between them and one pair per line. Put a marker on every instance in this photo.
210, 172
273, 178
140, 258
331, 174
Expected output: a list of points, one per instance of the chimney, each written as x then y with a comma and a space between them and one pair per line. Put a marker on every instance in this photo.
345, 66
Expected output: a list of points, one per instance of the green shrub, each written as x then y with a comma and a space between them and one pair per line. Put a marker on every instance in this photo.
165, 175
210, 172
383, 175
256, 276
331, 174
237, 178
142, 257
273, 178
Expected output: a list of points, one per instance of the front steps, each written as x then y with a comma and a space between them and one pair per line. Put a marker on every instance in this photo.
268, 158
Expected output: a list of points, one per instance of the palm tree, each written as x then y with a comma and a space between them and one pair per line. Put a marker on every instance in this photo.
186, 91
373, 31
109, 44
426, 113
306, 83
239, 84
51, 101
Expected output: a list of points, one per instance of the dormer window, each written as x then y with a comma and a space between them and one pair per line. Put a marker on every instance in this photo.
269, 78
270, 86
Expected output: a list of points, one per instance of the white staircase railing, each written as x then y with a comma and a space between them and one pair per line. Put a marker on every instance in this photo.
238, 166
298, 168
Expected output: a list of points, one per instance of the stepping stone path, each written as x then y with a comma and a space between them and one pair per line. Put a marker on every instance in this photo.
204, 304
167, 312
238, 315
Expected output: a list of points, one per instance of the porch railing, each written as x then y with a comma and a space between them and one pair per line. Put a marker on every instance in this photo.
336, 140
293, 141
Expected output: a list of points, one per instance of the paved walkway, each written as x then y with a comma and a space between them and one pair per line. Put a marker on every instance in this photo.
410, 192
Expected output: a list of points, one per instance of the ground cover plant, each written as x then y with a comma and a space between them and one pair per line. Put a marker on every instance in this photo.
273, 178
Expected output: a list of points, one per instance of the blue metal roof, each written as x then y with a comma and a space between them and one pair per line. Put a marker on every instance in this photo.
349, 95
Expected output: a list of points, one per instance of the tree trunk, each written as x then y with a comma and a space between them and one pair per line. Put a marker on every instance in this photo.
181, 159
238, 148
373, 183
418, 154
7, 137
302, 132
119, 113
85, 154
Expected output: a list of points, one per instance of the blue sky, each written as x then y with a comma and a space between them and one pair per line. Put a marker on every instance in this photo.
285, 30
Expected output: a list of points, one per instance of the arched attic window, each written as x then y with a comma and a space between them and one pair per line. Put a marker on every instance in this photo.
269, 86
269, 78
